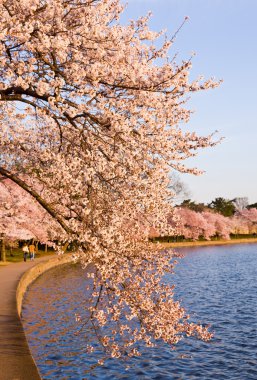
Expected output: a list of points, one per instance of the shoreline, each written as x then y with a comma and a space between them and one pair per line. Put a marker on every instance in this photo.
33, 273
207, 243
16, 360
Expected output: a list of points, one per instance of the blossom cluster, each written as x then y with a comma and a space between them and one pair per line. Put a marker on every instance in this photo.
91, 115
207, 224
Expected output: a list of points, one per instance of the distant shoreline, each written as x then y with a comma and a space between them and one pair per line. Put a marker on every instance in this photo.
207, 243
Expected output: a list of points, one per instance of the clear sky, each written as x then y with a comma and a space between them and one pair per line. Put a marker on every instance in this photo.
223, 34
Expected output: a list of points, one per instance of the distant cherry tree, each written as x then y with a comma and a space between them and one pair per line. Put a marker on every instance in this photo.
22, 218
248, 218
91, 117
194, 224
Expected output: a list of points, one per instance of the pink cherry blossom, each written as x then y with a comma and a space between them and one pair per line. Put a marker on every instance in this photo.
92, 116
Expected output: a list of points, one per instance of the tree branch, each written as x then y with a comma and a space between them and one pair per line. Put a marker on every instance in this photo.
37, 197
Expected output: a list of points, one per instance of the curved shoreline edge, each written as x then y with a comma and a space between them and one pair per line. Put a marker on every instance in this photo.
191, 244
33, 273
16, 360
28, 278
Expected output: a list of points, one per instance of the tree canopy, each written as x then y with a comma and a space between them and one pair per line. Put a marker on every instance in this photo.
192, 205
223, 206
252, 205
91, 117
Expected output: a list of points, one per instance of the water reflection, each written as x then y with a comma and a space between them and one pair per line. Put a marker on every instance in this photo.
216, 285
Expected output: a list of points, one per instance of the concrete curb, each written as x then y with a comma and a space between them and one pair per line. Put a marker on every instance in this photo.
30, 276
33, 273
16, 361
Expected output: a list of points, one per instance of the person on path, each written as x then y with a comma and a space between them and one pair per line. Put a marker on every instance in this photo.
32, 249
25, 250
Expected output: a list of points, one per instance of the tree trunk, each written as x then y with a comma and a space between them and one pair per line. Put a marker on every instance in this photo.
2, 250
65, 246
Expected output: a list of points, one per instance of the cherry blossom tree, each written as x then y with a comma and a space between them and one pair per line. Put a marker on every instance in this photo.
247, 221
194, 225
22, 218
91, 117
10, 228
239, 225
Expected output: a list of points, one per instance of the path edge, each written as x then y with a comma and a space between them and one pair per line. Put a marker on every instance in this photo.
30, 276
33, 273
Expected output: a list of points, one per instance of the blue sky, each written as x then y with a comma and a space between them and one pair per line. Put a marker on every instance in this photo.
223, 34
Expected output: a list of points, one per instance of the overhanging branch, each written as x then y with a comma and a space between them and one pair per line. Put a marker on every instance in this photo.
37, 197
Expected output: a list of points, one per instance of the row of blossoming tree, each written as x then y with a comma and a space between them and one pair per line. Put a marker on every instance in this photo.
21, 218
208, 224
92, 116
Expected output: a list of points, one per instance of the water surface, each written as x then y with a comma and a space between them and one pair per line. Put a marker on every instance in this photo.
217, 285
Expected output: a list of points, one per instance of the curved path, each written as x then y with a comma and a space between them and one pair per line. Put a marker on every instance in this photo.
16, 362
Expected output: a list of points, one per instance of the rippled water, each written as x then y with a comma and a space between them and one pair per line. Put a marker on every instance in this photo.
217, 285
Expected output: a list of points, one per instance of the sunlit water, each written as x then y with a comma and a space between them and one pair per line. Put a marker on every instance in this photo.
217, 285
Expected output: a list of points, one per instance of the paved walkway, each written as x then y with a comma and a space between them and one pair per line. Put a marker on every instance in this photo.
16, 362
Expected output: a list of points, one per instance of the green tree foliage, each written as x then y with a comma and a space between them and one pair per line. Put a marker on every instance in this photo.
223, 206
253, 205
198, 207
